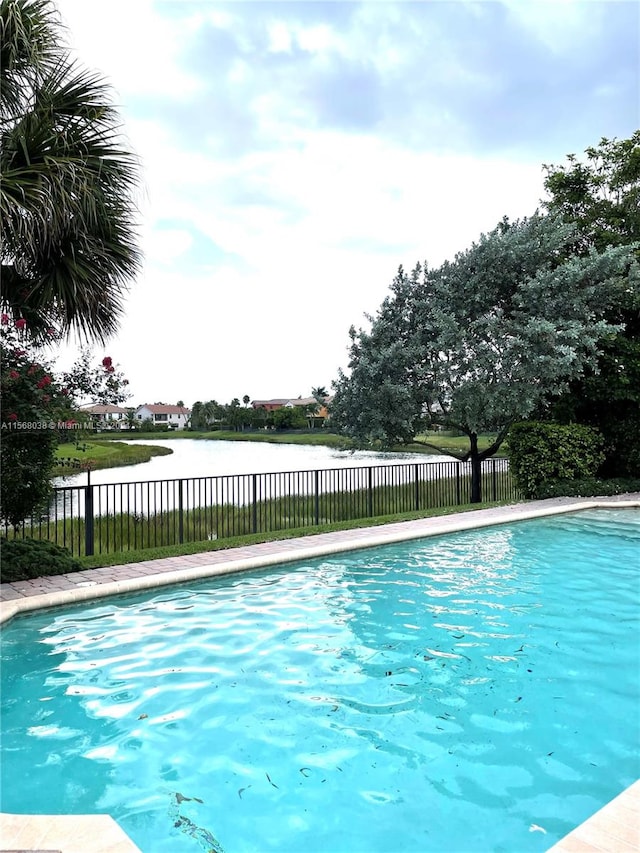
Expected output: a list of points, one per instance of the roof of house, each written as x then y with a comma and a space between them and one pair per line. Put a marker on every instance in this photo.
302, 401
107, 409
162, 409
307, 401
289, 401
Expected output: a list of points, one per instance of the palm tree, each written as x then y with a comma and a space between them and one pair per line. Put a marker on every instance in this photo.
320, 395
67, 212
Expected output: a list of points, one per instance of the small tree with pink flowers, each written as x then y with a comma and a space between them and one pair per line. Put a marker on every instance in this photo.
37, 406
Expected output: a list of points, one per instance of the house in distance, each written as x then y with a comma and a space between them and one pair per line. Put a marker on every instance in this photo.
173, 417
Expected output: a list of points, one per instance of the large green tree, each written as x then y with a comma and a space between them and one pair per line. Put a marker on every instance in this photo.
67, 212
600, 195
477, 343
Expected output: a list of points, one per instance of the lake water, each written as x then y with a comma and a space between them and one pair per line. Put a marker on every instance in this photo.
202, 458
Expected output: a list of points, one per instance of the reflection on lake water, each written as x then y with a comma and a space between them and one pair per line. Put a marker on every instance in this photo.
202, 458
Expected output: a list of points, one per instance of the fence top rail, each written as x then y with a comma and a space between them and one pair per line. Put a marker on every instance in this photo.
172, 480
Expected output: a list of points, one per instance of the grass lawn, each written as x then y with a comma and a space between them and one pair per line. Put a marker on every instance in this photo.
136, 556
92, 454
319, 437
459, 442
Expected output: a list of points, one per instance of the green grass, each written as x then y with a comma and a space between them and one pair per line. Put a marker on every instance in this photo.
314, 438
94, 455
136, 435
458, 443
442, 440
129, 531
136, 556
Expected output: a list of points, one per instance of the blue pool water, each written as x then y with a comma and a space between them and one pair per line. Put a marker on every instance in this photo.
474, 692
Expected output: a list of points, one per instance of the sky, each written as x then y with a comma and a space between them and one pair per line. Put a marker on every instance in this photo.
294, 154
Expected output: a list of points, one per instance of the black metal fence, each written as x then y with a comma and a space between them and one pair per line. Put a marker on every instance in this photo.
104, 518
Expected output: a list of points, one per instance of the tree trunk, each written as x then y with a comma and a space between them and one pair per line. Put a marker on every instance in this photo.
476, 470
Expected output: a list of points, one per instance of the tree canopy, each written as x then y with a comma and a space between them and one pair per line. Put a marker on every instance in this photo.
67, 211
477, 343
600, 195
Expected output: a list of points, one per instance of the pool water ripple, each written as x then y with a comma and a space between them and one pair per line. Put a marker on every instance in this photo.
447, 694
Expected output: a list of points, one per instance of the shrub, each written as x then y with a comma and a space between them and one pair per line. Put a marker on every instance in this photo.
545, 452
289, 418
27, 460
622, 435
588, 487
32, 558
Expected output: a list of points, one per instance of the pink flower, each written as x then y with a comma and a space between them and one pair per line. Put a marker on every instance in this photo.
21, 323
13, 374
107, 361
46, 380
4, 319
12, 417
65, 391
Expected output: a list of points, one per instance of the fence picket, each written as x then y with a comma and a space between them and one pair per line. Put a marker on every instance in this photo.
138, 515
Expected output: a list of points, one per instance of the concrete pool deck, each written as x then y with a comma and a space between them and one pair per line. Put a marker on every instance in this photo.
613, 829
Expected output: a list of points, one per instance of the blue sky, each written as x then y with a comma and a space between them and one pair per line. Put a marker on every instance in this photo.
294, 154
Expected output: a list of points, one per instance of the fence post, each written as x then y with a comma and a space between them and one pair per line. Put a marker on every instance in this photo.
89, 535
370, 492
417, 489
494, 480
254, 508
316, 506
180, 512
458, 491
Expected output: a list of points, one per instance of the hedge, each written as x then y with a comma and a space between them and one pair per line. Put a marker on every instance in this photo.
542, 453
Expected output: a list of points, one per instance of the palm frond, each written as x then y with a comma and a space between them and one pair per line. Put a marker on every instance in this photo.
67, 202
29, 44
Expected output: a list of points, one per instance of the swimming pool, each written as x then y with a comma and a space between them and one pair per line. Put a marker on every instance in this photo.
473, 692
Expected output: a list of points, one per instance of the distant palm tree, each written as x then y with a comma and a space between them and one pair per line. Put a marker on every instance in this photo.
320, 395
67, 212
246, 399
208, 413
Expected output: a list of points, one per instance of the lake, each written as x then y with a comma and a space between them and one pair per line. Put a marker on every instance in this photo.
202, 458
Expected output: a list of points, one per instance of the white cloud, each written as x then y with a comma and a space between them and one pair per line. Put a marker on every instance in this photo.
167, 245
316, 39
131, 44
257, 263
280, 37
557, 22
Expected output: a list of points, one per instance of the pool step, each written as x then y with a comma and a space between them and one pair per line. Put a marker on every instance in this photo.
602, 522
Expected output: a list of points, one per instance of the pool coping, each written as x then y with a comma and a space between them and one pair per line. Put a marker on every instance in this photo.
90, 584
615, 827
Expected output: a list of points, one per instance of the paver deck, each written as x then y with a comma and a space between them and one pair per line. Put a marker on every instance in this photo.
614, 829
